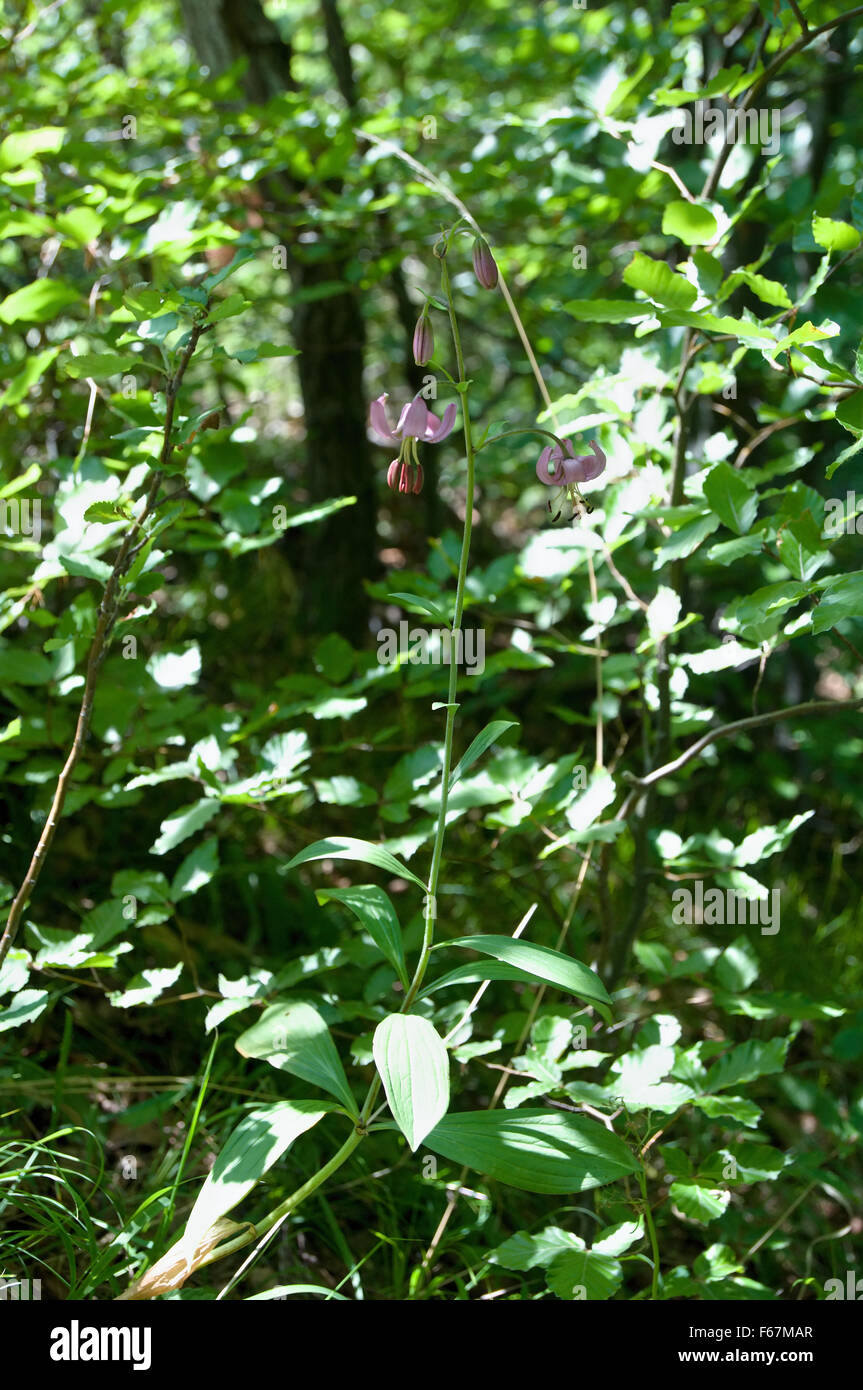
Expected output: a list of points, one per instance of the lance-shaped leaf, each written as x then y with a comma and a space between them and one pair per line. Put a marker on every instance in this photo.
535, 1150
414, 1067
294, 1038
483, 740
377, 914
345, 847
261, 1137
541, 963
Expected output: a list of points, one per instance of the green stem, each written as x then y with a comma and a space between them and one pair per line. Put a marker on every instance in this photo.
437, 852
506, 434
651, 1231
359, 1133
282, 1210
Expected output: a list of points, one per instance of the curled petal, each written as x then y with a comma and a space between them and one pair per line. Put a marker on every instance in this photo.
549, 466
436, 429
413, 420
557, 467
583, 467
379, 422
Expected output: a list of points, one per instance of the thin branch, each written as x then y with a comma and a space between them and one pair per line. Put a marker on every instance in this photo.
105, 621
740, 726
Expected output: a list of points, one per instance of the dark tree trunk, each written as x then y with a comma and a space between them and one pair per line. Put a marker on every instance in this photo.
337, 555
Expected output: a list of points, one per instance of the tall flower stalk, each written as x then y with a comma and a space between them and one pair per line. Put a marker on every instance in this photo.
184, 1257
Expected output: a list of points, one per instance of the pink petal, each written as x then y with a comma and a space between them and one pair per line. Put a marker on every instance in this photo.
439, 430
585, 467
413, 420
556, 477
378, 417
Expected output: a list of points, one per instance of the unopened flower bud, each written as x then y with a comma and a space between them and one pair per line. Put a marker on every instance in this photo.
423, 340
484, 264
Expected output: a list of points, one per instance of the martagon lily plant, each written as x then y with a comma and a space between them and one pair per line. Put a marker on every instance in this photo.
540, 1150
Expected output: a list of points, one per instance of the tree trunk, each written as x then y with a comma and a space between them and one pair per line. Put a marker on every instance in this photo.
336, 555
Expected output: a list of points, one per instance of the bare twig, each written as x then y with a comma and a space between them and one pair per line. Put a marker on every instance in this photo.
741, 726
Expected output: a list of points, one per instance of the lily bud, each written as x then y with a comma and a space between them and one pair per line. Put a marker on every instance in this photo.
423, 340
484, 264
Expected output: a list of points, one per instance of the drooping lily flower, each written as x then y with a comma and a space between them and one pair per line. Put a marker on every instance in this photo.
416, 423
563, 468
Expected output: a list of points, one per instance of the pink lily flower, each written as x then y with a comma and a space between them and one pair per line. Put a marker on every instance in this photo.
416, 423
562, 467
558, 469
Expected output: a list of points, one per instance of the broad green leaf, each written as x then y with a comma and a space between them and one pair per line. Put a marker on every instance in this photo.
293, 1037
691, 224
731, 497
742, 1111
413, 1064
102, 364
24, 667
479, 745
607, 310
346, 847
259, 1140
377, 914
80, 225
33, 370
183, 823
23, 1008
616, 1240
227, 308
196, 870
542, 962
841, 598
769, 291
19, 148
849, 413
587, 808
107, 512
145, 987
658, 282
37, 303
698, 1201
663, 612
584, 1274
747, 1062
548, 1151
834, 236
86, 567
